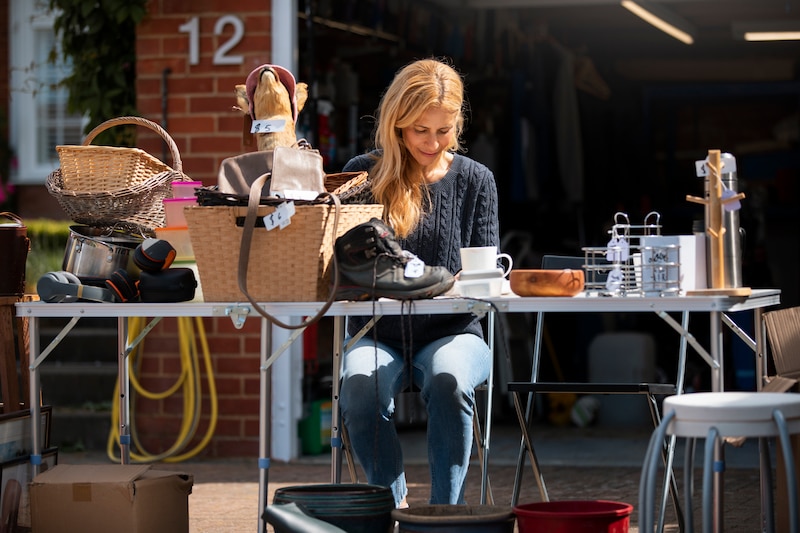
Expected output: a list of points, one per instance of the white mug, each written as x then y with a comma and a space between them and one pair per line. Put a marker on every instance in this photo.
477, 258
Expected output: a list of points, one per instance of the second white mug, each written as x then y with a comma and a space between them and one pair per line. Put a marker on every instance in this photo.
481, 258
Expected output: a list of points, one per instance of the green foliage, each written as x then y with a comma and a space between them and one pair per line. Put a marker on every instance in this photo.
48, 245
98, 39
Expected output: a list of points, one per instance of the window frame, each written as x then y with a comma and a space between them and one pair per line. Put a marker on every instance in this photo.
26, 19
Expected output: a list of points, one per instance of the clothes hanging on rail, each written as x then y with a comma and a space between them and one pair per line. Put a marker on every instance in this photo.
547, 147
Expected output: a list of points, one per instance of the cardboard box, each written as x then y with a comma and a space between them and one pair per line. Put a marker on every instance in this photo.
102, 498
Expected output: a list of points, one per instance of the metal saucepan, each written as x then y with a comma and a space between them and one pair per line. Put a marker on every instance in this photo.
97, 253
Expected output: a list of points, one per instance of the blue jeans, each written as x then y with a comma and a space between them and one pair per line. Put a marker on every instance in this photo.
446, 372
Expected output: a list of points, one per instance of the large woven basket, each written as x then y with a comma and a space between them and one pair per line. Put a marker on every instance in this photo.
116, 187
292, 264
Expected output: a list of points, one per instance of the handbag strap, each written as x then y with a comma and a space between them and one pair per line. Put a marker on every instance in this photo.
244, 255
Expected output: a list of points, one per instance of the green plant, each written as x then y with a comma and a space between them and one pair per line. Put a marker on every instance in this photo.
98, 39
48, 245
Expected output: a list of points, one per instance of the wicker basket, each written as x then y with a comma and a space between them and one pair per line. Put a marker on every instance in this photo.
115, 187
104, 168
286, 265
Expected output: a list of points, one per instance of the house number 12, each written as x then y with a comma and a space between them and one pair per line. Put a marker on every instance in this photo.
221, 55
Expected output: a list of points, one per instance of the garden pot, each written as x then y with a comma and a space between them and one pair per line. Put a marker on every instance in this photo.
353, 507
455, 519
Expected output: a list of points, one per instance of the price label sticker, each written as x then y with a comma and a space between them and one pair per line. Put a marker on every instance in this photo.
268, 125
414, 268
281, 217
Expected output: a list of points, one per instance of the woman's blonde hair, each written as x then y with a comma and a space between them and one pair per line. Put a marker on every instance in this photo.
417, 87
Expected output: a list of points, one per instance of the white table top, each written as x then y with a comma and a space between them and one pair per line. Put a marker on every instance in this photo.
582, 303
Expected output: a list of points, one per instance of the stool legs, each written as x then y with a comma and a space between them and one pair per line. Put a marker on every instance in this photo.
648, 478
710, 468
708, 480
767, 517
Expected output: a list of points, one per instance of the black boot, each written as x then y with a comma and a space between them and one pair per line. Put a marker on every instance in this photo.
373, 265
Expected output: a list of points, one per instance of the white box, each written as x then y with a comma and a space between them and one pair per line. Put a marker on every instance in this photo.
688, 251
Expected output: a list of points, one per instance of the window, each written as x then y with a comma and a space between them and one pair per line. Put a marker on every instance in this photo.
38, 117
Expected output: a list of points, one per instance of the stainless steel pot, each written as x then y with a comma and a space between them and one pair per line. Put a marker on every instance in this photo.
97, 253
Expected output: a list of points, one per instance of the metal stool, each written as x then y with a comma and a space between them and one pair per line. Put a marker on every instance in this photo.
713, 416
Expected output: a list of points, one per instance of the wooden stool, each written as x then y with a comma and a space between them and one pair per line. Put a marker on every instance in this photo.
713, 416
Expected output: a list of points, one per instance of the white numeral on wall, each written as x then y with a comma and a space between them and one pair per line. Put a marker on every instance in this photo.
221, 55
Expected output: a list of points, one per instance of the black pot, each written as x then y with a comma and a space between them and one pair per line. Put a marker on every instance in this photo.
355, 507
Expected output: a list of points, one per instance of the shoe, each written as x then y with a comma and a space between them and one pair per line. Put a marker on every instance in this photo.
373, 265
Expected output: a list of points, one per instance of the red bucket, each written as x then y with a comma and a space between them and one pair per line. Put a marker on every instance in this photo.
574, 516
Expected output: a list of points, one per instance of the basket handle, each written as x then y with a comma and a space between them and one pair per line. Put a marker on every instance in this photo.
139, 121
11, 216
244, 256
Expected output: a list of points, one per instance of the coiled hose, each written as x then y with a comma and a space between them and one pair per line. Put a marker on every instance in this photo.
190, 330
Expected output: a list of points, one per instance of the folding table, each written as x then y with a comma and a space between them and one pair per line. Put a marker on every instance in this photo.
238, 312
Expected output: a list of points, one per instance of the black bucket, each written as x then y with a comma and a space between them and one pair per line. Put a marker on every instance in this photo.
14, 246
455, 519
354, 507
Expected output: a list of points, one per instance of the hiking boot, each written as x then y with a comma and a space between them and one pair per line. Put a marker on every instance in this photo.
373, 265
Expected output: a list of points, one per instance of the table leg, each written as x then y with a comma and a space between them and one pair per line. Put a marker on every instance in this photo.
765, 480
525, 443
717, 385
264, 413
35, 406
124, 391
336, 438
486, 436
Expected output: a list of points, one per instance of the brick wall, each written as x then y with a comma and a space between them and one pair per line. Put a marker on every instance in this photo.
233, 357
199, 97
199, 117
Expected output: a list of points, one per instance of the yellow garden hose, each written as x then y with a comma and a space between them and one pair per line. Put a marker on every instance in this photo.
189, 382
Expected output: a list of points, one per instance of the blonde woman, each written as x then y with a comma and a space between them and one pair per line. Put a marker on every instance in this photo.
437, 201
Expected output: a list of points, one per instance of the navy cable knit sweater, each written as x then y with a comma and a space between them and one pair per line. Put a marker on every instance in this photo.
463, 213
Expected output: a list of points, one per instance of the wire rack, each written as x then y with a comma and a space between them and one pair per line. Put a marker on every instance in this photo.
630, 264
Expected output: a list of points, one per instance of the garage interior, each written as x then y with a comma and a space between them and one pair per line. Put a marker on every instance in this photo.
644, 108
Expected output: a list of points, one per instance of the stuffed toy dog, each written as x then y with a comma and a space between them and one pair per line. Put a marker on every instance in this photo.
271, 99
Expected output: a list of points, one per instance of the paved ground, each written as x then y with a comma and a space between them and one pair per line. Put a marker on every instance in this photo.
576, 464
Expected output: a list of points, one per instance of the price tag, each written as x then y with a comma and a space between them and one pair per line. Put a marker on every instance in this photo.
733, 205
618, 250
281, 217
700, 168
728, 166
614, 280
268, 125
414, 268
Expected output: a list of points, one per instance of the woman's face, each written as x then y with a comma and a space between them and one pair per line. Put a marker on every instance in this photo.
430, 135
